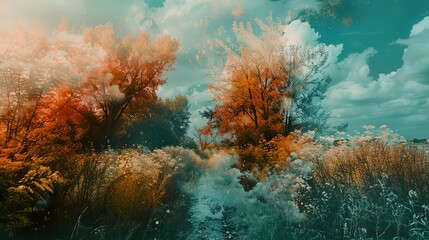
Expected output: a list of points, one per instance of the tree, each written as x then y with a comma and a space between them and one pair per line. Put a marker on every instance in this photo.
125, 81
306, 85
165, 123
267, 86
38, 77
34, 72
22, 81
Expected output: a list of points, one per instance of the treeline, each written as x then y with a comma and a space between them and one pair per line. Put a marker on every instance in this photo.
90, 89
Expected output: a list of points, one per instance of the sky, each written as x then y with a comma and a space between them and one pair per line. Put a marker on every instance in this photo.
379, 49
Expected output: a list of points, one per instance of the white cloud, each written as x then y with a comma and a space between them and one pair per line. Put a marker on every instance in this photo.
300, 33
399, 98
420, 27
416, 55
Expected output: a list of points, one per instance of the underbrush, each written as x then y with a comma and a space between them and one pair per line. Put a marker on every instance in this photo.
111, 195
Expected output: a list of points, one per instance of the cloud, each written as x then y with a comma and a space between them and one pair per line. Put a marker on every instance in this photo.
298, 32
420, 27
416, 57
399, 98
48, 13
198, 23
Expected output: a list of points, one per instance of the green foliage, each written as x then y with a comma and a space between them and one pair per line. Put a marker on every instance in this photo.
345, 212
165, 123
31, 194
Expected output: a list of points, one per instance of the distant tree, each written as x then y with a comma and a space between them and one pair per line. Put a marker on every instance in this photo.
268, 87
165, 123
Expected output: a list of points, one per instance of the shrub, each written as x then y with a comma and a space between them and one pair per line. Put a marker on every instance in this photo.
120, 193
25, 202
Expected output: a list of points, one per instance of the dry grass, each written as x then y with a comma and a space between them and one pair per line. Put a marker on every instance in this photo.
405, 166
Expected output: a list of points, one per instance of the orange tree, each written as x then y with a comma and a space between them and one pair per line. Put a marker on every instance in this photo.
126, 81
267, 87
250, 90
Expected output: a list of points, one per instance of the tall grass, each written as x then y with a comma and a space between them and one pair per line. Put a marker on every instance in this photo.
371, 190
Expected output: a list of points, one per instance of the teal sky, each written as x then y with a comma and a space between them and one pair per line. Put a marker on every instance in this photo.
360, 24
379, 48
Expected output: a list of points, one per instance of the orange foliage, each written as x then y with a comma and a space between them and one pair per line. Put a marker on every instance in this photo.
126, 81
281, 147
267, 86
276, 154
249, 91
75, 88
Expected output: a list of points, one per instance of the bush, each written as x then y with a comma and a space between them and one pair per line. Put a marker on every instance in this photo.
119, 193
25, 202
